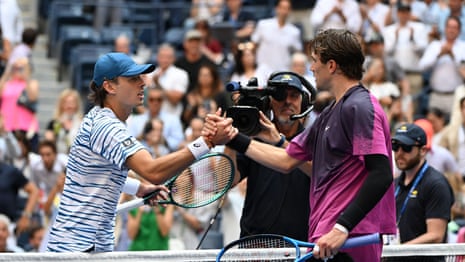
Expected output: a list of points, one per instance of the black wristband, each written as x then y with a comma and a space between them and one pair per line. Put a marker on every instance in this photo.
240, 143
281, 141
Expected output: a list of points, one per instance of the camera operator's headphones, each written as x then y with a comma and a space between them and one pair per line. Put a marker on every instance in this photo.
282, 79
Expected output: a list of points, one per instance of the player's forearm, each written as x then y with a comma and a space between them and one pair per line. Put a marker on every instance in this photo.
272, 157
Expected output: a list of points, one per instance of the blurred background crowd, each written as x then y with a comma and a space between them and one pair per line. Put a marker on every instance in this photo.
415, 67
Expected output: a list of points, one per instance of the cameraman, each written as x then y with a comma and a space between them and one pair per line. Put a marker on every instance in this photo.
276, 203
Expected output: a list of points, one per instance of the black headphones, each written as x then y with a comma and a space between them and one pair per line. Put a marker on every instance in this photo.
288, 78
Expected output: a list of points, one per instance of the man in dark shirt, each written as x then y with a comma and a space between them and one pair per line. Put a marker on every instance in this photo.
276, 202
423, 196
192, 59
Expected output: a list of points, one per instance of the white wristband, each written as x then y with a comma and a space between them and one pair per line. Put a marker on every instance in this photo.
131, 186
198, 147
341, 228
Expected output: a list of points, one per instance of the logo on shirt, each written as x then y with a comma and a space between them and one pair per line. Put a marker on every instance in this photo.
326, 128
414, 194
128, 142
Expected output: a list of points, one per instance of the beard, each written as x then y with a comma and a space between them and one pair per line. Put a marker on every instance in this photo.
409, 164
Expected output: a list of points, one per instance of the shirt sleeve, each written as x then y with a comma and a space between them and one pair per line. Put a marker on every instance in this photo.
112, 141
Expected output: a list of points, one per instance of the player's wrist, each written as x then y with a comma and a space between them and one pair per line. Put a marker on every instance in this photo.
198, 147
240, 143
341, 228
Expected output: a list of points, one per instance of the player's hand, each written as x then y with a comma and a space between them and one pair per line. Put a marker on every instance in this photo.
219, 130
145, 189
269, 134
328, 245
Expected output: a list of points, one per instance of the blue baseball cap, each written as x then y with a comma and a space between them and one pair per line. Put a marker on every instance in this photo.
112, 65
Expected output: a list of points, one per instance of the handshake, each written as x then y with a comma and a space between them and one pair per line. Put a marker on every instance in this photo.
219, 130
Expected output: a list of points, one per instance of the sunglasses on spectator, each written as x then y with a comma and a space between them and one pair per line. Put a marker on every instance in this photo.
405, 148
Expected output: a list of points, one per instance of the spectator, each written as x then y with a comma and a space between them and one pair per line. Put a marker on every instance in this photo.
193, 130
11, 26
246, 66
456, 9
373, 12
172, 79
444, 58
46, 169
439, 120
339, 14
437, 156
122, 44
9, 146
453, 138
210, 46
383, 90
24, 49
300, 15
36, 235
394, 74
272, 197
417, 8
172, 127
421, 219
12, 180
277, 36
149, 227
405, 40
16, 84
193, 58
152, 138
5, 225
204, 10
301, 65
62, 129
207, 95
243, 21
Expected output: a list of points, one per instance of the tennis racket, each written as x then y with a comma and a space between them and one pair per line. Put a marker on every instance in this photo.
279, 248
200, 184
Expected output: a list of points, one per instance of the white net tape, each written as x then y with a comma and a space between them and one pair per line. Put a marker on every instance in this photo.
452, 252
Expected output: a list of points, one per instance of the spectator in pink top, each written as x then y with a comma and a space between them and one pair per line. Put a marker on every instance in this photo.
16, 82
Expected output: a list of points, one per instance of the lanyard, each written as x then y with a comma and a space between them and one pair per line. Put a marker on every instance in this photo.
415, 184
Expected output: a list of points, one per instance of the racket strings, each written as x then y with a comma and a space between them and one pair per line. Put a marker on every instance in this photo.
203, 181
278, 250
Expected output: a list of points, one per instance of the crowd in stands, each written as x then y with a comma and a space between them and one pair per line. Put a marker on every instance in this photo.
415, 67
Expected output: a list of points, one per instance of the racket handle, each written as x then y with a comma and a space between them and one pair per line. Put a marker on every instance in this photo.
136, 202
362, 240
130, 205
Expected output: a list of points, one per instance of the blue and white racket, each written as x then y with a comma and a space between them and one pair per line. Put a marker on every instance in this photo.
281, 248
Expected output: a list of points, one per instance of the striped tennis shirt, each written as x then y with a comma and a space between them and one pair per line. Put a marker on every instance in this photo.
95, 176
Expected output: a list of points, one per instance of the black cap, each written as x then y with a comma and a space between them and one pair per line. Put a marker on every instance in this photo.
374, 38
410, 134
403, 7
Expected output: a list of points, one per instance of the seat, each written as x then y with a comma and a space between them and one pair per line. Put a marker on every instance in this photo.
109, 34
175, 37
70, 37
63, 14
83, 66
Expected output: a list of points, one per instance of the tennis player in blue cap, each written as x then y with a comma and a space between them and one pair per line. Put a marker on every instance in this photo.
101, 156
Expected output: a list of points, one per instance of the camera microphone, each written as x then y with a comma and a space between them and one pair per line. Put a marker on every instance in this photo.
303, 114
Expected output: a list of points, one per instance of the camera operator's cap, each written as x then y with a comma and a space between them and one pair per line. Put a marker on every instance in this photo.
410, 134
112, 65
193, 34
287, 80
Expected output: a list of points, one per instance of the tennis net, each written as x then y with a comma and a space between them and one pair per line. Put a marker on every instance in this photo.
451, 252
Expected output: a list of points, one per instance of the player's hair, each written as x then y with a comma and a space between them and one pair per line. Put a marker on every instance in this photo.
343, 47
